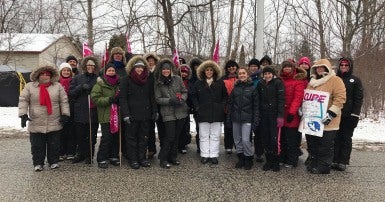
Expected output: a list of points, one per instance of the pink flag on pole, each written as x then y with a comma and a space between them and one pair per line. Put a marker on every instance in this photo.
86, 50
128, 45
105, 57
216, 52
175, 57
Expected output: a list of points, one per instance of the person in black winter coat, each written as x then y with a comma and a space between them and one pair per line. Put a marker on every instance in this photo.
85, 114
138, 109
244, 114
271, 106
350, 114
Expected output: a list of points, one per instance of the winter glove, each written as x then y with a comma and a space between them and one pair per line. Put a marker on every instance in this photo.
289, 118
127, 120
64, 119
86, 87
174, 101
353, 121
328, 117
113, 100
155, 116
279, 122
24, 119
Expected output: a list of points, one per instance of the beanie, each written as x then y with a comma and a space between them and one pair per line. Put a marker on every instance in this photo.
231, 63
184, 68
254, 62
64, 65
71, 57
268, 69
304, 60
109, 65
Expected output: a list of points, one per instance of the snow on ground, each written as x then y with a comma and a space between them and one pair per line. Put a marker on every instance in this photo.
366, 131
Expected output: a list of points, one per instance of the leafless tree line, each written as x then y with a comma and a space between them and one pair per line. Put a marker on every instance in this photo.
331, 28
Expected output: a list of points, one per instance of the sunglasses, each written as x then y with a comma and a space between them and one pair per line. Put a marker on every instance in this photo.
344, 65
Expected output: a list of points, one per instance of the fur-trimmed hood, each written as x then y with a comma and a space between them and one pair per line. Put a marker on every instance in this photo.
133, 60
209, 63
297, 73
115, 50
83, 65
34, 76
158, 69
314, 82
153, 55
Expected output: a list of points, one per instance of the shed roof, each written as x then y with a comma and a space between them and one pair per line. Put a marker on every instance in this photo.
19, 42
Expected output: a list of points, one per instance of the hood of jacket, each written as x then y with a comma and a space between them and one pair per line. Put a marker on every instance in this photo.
314, 82
34, 76
83, 65
132, 61
209, 63
153, 55
158, 69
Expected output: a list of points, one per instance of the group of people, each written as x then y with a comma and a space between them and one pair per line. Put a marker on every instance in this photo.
132, 96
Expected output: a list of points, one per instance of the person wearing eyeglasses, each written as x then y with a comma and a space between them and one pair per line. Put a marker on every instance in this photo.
350, 114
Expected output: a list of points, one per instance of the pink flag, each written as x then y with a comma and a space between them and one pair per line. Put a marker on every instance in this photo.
114, 119
216, 52
86, 50
175, 57
105, 57
128, 44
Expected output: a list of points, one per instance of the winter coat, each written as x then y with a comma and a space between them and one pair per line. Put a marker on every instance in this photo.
354, 92
295, 84
209, 101
244, 103
137, 101
79, 96
100, 95
164, 92
271, 97
332, 84
29, 103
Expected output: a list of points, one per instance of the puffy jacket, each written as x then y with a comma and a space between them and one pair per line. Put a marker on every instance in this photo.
244, 103
29, 103
354, 91
100, 94
209, 101
295, 84
271, 97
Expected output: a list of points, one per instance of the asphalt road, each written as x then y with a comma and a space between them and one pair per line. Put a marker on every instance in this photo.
191, 181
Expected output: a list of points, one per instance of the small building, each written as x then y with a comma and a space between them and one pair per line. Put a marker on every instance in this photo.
31, 50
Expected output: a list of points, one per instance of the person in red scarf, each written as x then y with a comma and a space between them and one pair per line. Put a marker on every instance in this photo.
105, 94
68, 138
44, 103
138, 109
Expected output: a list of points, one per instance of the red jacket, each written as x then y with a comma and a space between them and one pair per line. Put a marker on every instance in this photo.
295, 83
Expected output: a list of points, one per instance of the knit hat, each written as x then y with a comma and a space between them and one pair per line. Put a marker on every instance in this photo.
231, 63
139, 63
184, 68
109, 65
304, 60
254, 62
90, 62
166, 65
71, 57
64, 65
268, 69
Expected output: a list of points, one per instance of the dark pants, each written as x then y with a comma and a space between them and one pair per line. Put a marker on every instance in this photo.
290, 146
228, 130
136, 140
67, 140
185, 137
109, 144
322, 150
43, 144
161, 130
85, 131
151, 146
197, 131
169, 148
269, 133
258, 146
343, 142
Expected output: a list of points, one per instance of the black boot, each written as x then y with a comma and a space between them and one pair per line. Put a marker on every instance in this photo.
268, 163
78, 157
275, 163
241, 161
248, 162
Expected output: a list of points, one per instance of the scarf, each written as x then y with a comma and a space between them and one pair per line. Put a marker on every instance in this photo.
65, 82
139, 79
118, 64
112, 80
45, 99
210, 81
